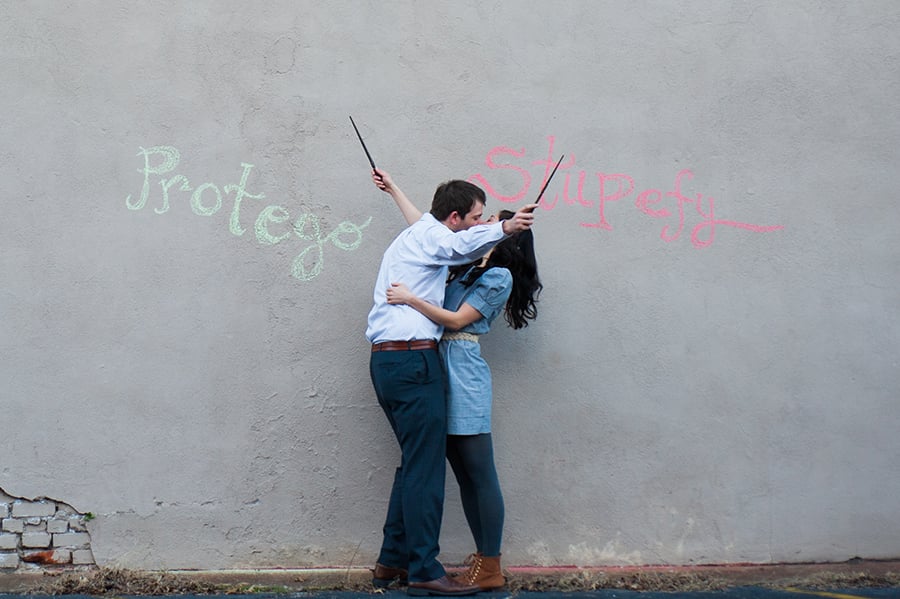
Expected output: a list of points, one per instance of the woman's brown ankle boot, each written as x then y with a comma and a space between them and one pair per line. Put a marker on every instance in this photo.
484, 572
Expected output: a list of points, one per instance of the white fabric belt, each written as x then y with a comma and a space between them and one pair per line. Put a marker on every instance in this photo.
460, 337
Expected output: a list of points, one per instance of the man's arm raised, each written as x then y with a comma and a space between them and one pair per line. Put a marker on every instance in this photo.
382, 180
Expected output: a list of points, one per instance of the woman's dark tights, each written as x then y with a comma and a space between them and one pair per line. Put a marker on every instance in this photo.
472, 460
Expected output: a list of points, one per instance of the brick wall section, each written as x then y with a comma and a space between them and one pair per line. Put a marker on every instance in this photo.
37, 534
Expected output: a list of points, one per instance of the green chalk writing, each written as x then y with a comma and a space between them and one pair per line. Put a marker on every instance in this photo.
273, 224
273, 214
170, 158
234, 225
309, 263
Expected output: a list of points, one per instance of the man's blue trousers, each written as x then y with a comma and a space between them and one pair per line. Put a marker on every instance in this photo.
411, 389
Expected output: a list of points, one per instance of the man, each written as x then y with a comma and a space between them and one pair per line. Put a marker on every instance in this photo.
408, 376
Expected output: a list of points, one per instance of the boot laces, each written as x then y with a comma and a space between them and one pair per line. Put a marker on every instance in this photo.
474, 561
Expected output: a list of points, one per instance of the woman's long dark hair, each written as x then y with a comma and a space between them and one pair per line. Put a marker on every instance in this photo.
515, 253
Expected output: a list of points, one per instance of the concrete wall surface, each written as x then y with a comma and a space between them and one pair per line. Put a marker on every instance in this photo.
190, 238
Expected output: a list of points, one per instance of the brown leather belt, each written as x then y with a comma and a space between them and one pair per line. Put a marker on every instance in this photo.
405, 345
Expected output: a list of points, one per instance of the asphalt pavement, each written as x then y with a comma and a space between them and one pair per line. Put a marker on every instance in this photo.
749, 592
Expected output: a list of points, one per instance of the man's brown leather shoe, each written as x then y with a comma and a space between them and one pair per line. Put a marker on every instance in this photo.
443, 587
384, 576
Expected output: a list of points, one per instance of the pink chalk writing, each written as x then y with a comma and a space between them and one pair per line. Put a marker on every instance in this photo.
672, 205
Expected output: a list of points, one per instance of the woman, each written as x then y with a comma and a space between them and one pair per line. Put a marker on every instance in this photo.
505, 280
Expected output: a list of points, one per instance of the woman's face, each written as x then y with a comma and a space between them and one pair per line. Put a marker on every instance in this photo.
497, 217
491, 219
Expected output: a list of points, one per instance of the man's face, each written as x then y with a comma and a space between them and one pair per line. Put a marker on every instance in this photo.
472, 218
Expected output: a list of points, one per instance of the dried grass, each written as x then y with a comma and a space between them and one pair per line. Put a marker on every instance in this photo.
844, 580
632, 581
121, 581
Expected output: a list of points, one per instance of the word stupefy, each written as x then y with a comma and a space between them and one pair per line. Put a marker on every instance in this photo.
206, 199
615, 187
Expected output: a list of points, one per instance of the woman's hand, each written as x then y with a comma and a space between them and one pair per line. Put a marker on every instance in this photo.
398, 293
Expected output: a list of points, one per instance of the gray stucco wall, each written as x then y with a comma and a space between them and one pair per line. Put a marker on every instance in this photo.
714, 373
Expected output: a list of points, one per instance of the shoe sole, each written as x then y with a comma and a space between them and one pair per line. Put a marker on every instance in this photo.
386, 583
414, 592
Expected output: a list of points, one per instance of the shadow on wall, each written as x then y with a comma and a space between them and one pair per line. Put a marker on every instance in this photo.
42, 533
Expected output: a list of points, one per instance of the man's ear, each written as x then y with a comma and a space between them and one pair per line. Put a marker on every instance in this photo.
454, 219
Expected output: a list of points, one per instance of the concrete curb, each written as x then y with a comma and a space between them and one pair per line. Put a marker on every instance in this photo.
306, 579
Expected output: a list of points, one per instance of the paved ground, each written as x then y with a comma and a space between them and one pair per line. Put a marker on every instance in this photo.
855, 579
735, 593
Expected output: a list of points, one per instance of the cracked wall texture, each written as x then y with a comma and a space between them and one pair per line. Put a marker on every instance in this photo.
190, 236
